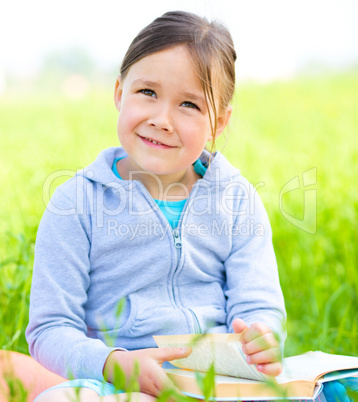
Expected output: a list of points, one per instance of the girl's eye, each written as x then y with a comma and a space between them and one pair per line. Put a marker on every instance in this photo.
148, 92
190, 105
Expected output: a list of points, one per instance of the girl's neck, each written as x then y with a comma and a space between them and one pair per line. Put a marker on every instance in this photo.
173, 187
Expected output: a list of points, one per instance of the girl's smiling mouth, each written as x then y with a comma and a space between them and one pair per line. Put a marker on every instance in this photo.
155, 144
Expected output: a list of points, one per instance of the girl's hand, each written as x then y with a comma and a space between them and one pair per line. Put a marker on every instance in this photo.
260, 346
152, 378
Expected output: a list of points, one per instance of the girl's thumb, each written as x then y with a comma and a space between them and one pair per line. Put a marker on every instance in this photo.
239, 325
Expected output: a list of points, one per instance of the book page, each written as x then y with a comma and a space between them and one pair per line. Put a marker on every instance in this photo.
224, 350
338, 375
311, 365
231, 380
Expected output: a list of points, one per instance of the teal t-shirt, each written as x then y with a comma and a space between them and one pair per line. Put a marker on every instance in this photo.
171, 209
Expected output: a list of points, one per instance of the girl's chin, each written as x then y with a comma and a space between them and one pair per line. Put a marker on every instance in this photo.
158, 172
154, 167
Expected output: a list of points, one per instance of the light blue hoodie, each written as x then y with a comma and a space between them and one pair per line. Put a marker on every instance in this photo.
103, 239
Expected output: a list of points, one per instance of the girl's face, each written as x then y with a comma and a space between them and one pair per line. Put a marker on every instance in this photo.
163, 122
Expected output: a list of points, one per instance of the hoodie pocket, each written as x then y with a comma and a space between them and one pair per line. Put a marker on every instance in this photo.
113, 326
196, 323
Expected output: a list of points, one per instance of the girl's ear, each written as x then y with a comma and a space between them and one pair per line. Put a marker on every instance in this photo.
118, 92
222, 122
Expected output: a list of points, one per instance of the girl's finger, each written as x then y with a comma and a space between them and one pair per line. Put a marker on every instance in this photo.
264, 342
168, 354
239, 325
160, 381
267, 356
256, 330
156, 381
272, 369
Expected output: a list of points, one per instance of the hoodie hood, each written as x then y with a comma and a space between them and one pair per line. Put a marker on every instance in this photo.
100, 170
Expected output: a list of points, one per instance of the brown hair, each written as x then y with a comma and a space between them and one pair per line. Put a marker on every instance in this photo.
210, 46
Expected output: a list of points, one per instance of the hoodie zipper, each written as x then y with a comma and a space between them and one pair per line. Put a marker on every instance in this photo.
178, 248
177, 241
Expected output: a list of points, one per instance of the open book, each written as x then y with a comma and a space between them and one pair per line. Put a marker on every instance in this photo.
235, 379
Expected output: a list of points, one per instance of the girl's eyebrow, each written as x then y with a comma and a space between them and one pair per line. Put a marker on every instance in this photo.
146, 83
194, 97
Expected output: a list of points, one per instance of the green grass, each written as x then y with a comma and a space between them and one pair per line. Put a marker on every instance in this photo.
279, 130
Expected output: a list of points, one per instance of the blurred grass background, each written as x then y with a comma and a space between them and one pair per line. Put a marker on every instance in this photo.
279, 131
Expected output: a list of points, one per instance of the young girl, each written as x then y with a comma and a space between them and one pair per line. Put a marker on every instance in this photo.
160, 222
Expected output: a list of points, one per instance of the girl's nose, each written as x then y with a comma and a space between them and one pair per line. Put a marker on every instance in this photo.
161, 120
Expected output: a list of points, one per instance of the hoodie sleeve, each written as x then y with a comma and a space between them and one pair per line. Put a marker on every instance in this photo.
61, 277
252, 289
